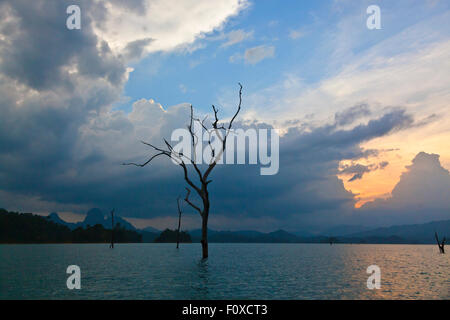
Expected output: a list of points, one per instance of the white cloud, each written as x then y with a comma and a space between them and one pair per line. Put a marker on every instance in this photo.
254, 55
183, 88
236, 36
236, 57
296, 34
163, 25
422, 194
257, 54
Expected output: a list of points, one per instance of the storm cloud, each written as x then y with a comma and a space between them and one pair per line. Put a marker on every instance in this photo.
62, 143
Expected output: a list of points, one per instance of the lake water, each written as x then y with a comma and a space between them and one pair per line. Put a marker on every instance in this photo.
233, 271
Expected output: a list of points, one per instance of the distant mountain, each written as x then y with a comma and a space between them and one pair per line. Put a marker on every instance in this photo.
151, 229
29, 228
54, 217
281, 236
246, 236
414, 233
94, 216
124, 223
418, 233
344, 230
304, 234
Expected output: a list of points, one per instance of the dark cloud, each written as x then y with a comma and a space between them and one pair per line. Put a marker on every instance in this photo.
306, 183
51, 81
352, 114
61, 143
358, 170
383, 165
39, 51
86, 170
329, 142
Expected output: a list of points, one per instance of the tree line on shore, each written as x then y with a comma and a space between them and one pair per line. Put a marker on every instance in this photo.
30, 228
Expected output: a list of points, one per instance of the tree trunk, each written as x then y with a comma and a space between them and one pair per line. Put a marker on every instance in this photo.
440, 245
179, 223
204, 240
112, 230
178, 235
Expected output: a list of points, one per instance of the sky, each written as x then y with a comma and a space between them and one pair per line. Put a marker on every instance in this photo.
362, 113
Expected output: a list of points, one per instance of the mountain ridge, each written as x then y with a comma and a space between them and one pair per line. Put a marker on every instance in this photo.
401, 234
93, 217
406, 233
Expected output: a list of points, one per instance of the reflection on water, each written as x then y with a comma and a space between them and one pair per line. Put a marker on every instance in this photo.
200, 284
233, 271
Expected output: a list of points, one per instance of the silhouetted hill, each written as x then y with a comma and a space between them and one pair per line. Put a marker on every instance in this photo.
170, 236
98, 234
414, 233
54, 217
149, 237
419, 233
279, 236
28, 228
93, 217
344, 230
96, 216
151, 229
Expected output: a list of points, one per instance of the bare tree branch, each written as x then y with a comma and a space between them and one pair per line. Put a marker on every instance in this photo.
239, 106
145, 163
188, 180
440, 245
190, 203
224, 140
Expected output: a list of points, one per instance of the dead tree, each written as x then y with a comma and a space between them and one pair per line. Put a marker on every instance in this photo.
440, 244
112, 229
221, 131
179, 222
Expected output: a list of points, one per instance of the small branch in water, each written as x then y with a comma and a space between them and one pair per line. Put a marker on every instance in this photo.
179, 222
112, 229
440, 244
